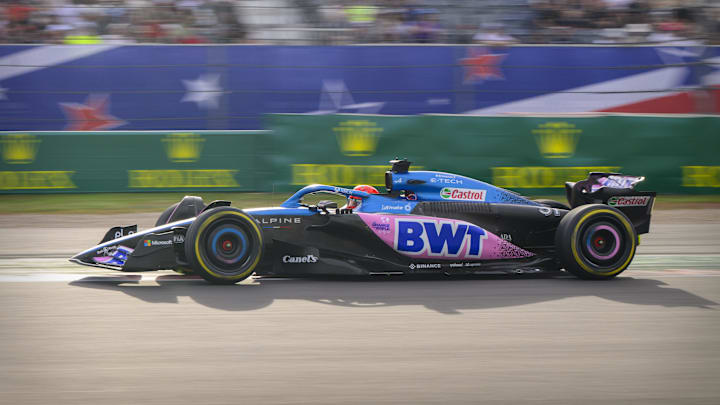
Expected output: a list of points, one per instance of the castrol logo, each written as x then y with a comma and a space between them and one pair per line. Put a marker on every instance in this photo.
462, 194
631, 201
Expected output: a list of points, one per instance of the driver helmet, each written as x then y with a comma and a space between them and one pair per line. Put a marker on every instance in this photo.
354, 202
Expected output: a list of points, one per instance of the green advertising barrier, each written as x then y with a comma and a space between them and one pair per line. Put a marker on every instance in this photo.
44, 162
533, 155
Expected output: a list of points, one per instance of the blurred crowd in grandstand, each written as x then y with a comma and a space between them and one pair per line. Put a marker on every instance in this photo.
493, 22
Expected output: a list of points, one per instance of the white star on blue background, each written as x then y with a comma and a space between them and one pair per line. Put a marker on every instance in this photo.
205, 91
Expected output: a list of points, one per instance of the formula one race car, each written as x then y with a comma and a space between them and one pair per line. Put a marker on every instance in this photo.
427, 222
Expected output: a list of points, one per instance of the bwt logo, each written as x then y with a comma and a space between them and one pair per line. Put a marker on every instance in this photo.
438, 238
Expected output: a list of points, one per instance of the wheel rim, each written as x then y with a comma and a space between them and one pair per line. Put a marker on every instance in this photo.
228, 246
603, 244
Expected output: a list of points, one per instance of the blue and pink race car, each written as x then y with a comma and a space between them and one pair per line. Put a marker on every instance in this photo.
426, 222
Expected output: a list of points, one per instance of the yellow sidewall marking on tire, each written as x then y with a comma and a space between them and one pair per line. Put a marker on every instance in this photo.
582, 263
199, 235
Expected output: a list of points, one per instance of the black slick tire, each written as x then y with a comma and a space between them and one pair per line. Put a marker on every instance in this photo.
595, 242
224, 245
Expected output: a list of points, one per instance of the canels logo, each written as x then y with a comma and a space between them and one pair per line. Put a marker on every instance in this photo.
439, 238
19, 148
183, 147
300, 259
357, 137
557, 139
462, 194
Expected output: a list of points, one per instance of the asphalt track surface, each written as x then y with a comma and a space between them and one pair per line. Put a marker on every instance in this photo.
75, 335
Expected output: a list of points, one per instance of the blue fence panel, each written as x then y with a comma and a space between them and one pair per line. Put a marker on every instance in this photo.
141, 87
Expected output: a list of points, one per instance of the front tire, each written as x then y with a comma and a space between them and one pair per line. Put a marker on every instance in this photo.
595, 242
224, 245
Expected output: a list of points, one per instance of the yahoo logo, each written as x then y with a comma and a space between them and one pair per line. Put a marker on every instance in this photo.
440, 238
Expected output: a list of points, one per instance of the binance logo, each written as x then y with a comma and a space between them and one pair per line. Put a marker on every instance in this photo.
557, 139
19, 148
183, 147
357, 137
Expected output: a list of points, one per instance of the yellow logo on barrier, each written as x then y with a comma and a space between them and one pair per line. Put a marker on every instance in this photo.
557, 139
341, 175
183, 147
357, 137
19, 148
37, 180
701, 176
543, 177
182, 178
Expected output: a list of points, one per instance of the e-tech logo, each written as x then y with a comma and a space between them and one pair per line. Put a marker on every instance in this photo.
462, 194
445, 179
438, 238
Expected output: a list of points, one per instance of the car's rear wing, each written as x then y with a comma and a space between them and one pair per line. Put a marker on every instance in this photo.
617, 190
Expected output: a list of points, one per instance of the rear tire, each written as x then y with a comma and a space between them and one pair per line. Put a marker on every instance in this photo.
224, 245
595, 242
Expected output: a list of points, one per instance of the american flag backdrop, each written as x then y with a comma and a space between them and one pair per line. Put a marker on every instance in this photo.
146, 87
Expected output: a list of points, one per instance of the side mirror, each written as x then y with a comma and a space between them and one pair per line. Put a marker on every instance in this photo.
326, 204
